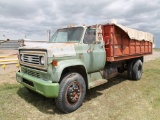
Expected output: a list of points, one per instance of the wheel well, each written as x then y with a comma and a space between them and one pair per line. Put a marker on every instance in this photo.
122, 65
78, 69
140, 58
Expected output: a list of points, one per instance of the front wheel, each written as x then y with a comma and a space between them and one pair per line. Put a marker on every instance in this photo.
72, 93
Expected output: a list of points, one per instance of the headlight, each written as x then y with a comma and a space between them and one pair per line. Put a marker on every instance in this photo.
21, 57
42, 60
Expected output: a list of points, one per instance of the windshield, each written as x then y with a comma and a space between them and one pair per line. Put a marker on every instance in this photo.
67, 35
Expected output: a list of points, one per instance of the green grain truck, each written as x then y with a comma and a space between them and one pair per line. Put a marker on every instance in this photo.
79, 58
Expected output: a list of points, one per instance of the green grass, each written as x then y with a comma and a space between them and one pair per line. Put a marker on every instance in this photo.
119, 99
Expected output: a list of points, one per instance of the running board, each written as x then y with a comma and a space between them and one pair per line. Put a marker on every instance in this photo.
97, 83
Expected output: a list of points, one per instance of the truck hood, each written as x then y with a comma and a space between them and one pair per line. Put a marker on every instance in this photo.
53, 49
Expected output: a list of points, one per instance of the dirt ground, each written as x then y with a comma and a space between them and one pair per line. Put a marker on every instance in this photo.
8, 52
8, 75
155, 55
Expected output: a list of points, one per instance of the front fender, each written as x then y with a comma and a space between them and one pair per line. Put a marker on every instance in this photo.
64, 64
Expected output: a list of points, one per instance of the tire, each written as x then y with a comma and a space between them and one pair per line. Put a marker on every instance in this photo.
129, 69
72, 93
137, 70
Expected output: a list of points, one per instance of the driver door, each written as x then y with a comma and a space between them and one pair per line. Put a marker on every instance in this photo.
94, 55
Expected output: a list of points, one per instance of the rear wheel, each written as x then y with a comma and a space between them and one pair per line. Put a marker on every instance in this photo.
72, 93
137, 70
129, 69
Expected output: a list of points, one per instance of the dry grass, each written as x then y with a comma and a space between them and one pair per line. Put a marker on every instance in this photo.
8, 75
119, 99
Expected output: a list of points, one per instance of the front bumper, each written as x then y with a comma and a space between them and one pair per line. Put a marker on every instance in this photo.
44, 88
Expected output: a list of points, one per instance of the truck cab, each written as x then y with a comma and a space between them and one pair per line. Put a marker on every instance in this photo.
73, 52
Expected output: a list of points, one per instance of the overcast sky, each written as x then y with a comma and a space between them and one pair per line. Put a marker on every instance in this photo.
32, 18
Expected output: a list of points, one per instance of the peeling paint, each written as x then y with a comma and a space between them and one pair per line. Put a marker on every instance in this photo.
64, 51
56, 49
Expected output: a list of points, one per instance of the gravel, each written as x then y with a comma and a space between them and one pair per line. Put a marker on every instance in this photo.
154, 56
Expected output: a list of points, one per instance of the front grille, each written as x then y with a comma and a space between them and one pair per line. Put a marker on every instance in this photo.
33, 59
32, 73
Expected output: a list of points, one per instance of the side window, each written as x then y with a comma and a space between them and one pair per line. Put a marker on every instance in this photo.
90, 36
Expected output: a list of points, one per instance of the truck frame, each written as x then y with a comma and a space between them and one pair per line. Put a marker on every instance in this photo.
79, 58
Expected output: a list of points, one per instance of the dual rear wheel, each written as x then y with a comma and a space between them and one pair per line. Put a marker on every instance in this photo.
135, 69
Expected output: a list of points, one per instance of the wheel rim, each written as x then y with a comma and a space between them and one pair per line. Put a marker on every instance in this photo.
73, 93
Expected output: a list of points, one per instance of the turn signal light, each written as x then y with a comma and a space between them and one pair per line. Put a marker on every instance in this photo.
54, 63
